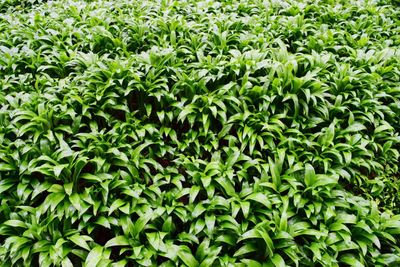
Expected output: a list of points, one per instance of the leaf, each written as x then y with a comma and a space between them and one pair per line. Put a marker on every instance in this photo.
208, 261
6, 184
194, 191
148, 109
251, 234
351, 260
75, 201
141, 223
382, 128
58, 169
68, 188
115, 205
275, 172
53, 200
80, 241
155, 241
260, 198
329, 134
117, 241
121, 263
309, 176
198, 210
245, 249
233, 157
103, 221
245, 206
315, 248
228, 239
226, 185
354, 127
15, 223
210, 223
91, 177
311, 232
6, 167
79, 165
251, 263
278, 261
268, 242
66, 262
184, 113
94, 257
188, 258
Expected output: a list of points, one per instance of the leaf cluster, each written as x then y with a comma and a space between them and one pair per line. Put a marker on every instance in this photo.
199, 133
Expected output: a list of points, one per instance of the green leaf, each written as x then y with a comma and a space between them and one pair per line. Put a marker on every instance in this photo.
194, 191
94, 257
350, 260
58, 169
53, 200
228, 239
115, 205
81, 241
117, 241
268, 242
275, 172
382, 128
355, 127
184, 113
278, 261
226, 185
329, 134
309, 176
75, 201
245, 249
245, 206
141, 223
68, 188
6, 167
260, 198
66, 262
187, 258
251, 234
6, 184
15, 223
251, 263
103, 221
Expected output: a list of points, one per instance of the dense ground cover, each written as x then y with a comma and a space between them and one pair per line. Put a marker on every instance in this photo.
199, 133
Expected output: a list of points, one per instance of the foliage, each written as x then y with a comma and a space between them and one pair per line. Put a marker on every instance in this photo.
199, 133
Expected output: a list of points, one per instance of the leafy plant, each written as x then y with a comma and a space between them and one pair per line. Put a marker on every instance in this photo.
199, 133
